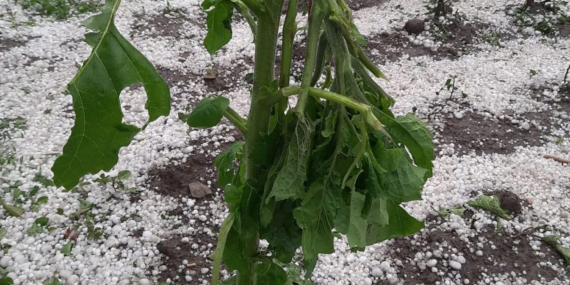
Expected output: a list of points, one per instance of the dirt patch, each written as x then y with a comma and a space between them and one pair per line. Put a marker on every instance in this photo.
186, 259
166, 25
487, 254
457, 38
8, 44
476, 132
223, 79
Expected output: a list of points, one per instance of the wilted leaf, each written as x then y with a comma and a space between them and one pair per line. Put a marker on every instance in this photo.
269, 273
225, 164
219, 253
491, 204
400, 224
11, 210
564, 251
290, 180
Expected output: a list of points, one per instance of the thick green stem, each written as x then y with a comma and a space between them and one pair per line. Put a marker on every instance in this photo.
236, 120
289, 30
315, 20
259, 114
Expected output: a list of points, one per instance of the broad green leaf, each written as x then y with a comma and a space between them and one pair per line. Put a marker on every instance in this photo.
290, 180
219, 25
269, 273
11, 210
316, 220
66, 249
491, 204
208, 112
99, 132
231, 281
413, 133
357, 229
400, 224
219, 253
42, 200
553, 242
6, 281
226, 165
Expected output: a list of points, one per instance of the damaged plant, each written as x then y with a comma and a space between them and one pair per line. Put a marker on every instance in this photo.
338, 162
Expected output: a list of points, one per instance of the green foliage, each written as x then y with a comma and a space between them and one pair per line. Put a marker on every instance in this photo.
6, 281
208, 112
116, 182
99, 133
39, 226
491, 204
546, 22
59, 9
552, 240
339, 162
219, 24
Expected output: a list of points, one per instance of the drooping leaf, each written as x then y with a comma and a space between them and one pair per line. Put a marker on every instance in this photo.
290, 180
491, 204
403, 184
219, 253
552, 240
378, 213
269, 273
282, 233
400, 224
99, 132
315, 218
414, 134
294, 276
357, 229
225, 163
6, 281
208, 112
219, 25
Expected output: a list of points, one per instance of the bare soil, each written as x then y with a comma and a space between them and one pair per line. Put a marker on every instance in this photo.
511, 253
389, 47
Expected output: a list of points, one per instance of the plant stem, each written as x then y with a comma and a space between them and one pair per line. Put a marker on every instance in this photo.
315, 20
236, 120
259, 114
242, 9
566, 74
289, 30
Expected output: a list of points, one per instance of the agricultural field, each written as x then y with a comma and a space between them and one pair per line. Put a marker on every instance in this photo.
489, 77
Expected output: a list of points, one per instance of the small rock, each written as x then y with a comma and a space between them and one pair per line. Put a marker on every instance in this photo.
415, 26
210, 75
525, 126
199, 190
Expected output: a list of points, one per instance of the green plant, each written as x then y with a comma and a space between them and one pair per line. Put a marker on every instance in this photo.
116, 182
338, 162
39, 226
450, 86
59, 9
